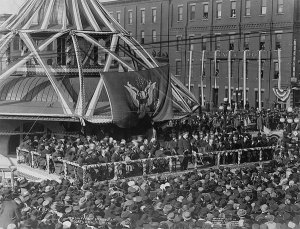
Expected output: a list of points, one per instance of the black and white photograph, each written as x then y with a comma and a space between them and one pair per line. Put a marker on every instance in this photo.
149, 114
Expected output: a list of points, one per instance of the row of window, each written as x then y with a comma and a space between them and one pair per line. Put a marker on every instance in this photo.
236, 94
233, 9
231, 41
178, 67
142, 16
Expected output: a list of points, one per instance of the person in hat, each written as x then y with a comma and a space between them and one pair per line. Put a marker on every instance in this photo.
184, 149
188, 222
9, 213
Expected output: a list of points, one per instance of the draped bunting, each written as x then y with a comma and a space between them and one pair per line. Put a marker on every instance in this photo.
280, 93
136, 96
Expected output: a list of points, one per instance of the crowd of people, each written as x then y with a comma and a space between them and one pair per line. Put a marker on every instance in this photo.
187, 143
257, 196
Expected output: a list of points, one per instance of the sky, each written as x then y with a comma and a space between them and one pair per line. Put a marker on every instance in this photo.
10, 6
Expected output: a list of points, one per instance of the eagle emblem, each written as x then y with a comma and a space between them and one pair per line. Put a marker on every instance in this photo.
142, 99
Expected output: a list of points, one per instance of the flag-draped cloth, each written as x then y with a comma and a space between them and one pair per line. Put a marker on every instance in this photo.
135, 96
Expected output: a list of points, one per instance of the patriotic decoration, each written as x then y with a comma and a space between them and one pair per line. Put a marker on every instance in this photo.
84, 32
281, 94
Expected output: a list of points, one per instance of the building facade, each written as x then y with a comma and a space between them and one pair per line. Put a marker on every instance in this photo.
227, 38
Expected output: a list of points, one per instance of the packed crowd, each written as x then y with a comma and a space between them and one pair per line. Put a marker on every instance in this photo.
202, 134
257, 196
205, 133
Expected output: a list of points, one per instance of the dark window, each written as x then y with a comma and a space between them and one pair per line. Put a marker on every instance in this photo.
233, 9
218, 42
154, 38
119, 17
248, 8
191, 41
192, 12
278, 41
219, 10
246, 41
178, 39
178, 68
231, 42
262, 42
262, 69
204, 43
280, 6
263, 7
276, 70
154, 13
61, 51
205, 11
142, 37
16, 43
180, 13
130, 17
143, 16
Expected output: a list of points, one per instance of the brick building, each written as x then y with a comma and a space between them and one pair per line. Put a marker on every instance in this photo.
169, 28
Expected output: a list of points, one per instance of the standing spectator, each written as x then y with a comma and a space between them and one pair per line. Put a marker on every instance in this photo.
185, 149
9, 213
259, 123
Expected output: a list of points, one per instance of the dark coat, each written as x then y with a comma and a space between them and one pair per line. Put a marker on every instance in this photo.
9, 213
183, 146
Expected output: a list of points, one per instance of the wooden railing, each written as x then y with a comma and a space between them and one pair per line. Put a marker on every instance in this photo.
114, 170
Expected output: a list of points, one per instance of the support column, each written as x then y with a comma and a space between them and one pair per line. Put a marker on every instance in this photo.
190, 67
229, 77
201, 80
245, 78
259, 80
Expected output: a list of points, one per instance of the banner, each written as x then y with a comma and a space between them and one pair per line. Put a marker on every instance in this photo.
138, 96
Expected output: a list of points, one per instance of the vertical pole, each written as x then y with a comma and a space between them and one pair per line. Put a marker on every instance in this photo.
259, 80
218, 159
245, 78
201, 80
190, 67
84, 180
279, 69
116, 170
65, 169
170, 164
144, 163
260, 156
48, 163
229, 77
215, 60
12, 179
239, 156
32, 159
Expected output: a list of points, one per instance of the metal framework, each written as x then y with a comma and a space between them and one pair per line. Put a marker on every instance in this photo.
94, 33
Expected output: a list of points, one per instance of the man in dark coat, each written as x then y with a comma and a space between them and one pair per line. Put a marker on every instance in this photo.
9, 213
185, 149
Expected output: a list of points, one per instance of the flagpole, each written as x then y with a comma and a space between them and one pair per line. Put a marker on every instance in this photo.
201, 80
279, 68
229, 77
215, 60
190, 67
245, 78
259, 80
